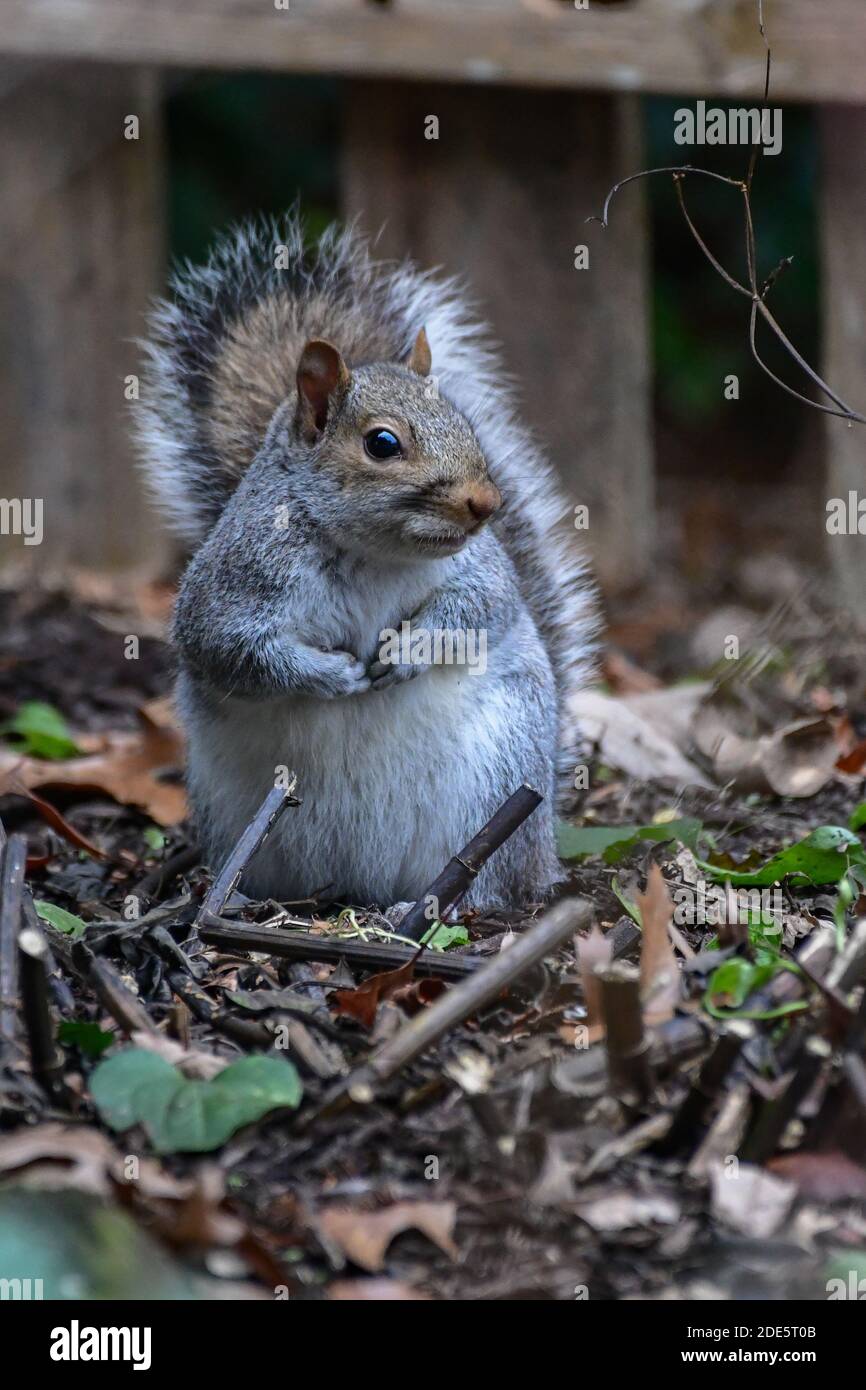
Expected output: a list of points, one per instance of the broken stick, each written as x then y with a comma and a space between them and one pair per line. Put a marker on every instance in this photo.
258, 830
551, 931
628, 1045
448, 888
363, 955
46, 1059
14, 859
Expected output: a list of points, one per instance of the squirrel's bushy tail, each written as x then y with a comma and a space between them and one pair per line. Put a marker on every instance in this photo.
223, 353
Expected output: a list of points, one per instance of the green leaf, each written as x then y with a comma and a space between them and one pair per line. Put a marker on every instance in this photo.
631, 908
41, 731
857, 818
735, 979
614, 841
821, 858
439, 937
60, 919
89, 1037
181, 1116
154, 838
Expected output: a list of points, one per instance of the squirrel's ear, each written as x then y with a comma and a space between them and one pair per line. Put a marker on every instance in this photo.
419, 359
322, 374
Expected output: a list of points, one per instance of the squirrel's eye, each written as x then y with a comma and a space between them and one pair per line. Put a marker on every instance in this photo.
382, 444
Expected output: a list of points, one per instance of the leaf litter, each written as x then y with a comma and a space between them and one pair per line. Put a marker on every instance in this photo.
433, 1184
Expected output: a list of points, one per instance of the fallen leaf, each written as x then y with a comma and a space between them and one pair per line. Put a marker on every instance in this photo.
53, 1157
619, 1211
822, 857
58, 822
41, 730
363, 1002
123, 765
612, 842
644, 736
626, 678
855, 761
659, 975
749, 1199
59, 1156
137, 1086
797, 759
365, 1235
195, 1063
822, 1177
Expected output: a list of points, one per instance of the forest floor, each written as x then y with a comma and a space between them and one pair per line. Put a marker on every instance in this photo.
672, 1105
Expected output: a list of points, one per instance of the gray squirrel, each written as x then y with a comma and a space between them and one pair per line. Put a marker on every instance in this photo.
380, 597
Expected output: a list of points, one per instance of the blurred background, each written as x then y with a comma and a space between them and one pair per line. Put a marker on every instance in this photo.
735, 481
484, 139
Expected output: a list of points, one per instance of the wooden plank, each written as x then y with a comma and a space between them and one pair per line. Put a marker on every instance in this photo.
842, 219
502, 197
647, 45
81, 251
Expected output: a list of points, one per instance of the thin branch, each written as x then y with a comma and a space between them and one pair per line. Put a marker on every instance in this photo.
717, 265
758, 296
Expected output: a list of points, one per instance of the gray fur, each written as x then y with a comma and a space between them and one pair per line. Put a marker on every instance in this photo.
306, 552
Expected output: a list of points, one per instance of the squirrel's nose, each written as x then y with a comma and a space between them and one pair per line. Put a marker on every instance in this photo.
481, 501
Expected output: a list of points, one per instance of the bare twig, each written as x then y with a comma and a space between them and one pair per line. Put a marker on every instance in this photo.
855, 1074
459, 872
752, 291
427, 1028
249, 844
14, 858
364, 955
104, 980
627, 1042
773, 1115
154, 882
46, 1060
711, 1080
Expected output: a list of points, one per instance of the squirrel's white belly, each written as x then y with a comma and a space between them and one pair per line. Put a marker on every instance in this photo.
392, 782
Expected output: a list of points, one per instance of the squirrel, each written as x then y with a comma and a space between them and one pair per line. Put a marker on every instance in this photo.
336, 440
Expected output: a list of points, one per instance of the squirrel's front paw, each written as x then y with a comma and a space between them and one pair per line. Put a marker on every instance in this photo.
384, 674
336, 674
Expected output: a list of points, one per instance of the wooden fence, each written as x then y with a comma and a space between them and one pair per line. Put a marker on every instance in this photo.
538, 116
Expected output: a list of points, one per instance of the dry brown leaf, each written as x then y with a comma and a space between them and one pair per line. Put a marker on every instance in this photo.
626, 678
365, 1235
58, 822
797, 759
659, 976
53, 1157
855, 760
593, 950
822, 1177
124, 765
642, 735
363, 1002
195, 1062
